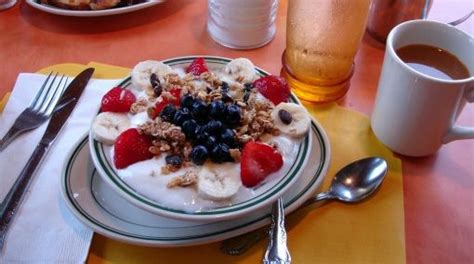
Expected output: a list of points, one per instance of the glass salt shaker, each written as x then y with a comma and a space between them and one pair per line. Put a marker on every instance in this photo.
242, 24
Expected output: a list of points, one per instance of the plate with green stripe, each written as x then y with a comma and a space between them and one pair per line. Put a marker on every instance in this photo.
262, 196
100, 207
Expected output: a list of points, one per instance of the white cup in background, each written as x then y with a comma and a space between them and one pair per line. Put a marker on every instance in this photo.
414, 113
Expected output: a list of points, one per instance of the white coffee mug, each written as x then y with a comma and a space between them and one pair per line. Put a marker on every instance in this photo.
414, 113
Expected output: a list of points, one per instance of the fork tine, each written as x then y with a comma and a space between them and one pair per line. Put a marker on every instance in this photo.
40, 92
45, 93
57, 94
41, 106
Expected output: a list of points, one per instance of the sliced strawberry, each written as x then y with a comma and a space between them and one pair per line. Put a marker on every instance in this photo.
117, 100
131, 147
258, 161
176, 92
197, 67
274, 88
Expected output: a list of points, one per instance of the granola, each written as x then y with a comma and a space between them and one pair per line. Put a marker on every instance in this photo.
188, 179
139, 106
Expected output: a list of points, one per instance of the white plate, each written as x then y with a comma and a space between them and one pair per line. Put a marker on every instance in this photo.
98, 206
90, 13
265, 194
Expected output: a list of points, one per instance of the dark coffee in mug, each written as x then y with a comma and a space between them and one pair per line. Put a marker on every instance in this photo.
433, 61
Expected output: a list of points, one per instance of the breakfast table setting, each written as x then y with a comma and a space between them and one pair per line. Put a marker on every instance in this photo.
375, 165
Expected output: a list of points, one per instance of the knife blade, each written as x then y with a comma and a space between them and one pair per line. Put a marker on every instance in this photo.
65, 106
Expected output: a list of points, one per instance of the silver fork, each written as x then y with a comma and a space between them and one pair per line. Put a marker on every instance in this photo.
39, 110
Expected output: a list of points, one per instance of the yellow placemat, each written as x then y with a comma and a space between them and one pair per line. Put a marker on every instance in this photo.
4, 100
368, 232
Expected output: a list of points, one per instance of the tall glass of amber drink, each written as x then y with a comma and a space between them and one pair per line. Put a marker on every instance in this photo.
322, 39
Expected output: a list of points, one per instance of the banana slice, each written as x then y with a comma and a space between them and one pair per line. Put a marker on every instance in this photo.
142, 71
217, 184
107, 126
291, 119
241, 69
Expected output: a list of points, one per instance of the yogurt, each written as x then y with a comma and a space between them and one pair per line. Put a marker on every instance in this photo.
145, 177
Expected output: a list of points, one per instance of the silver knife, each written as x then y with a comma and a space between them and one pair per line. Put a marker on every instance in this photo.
64, 108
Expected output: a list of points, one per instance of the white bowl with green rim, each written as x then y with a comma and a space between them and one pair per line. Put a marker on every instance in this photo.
267, 193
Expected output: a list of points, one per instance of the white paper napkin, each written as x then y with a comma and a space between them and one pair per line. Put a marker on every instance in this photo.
44, 231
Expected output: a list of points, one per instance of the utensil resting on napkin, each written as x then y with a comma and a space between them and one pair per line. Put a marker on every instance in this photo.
44, 230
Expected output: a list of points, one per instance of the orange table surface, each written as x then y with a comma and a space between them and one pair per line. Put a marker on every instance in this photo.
438, 190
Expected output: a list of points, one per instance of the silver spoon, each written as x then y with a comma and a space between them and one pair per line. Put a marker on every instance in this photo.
352, 183
277, 250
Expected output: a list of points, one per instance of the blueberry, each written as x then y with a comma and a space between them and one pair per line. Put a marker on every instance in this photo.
168, 112
228, 137
220, 153
202, 122
214, 127
174, 160
248, 86
246, 97
201, 136
187, 101
227, 98
199, 109
201, 128
199, 154
232, 115
225, 86
217, 108
181, 115
210, 142
189, 128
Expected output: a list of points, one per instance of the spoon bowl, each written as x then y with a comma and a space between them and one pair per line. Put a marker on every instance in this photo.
358, 180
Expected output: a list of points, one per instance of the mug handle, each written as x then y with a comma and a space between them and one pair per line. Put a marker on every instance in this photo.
460, 132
